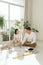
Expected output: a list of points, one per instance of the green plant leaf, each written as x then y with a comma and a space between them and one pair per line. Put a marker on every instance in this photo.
1, 21
34, 30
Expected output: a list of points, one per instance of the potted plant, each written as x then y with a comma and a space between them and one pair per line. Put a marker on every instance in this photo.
1, 26
5, 36
27, 24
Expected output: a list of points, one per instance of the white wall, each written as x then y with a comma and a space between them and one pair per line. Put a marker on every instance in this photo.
37, 17
34, 13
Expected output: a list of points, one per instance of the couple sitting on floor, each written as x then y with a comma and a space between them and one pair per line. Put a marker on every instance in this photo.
28, 39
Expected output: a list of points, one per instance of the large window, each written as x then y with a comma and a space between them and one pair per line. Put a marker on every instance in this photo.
11, 10
4, 13
16, 13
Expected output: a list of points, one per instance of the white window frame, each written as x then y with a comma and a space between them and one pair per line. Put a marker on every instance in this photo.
9, 11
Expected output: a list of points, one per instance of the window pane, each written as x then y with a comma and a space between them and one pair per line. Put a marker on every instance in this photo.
4, 12
16, 13
20, 2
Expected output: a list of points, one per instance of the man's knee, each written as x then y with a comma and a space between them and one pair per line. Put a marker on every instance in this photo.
30, 45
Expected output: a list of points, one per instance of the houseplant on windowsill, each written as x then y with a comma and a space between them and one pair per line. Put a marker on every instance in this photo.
1, 26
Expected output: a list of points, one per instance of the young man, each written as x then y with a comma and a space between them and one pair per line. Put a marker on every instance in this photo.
29, 38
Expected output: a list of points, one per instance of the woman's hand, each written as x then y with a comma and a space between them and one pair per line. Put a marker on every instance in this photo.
0, 49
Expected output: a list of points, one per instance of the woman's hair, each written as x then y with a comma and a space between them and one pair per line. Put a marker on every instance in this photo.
16, 31
28, 28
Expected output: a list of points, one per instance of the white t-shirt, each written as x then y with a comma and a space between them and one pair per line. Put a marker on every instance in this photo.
29, 37
18, 37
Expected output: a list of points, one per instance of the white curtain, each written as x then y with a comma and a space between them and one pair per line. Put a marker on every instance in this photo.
26, 11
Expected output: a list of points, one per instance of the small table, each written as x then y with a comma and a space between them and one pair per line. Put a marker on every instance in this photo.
7, 58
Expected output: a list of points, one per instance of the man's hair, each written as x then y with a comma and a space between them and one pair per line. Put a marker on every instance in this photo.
28, 28
16, 31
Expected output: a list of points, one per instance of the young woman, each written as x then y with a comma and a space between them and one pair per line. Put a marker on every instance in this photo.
15, 42
17, 37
